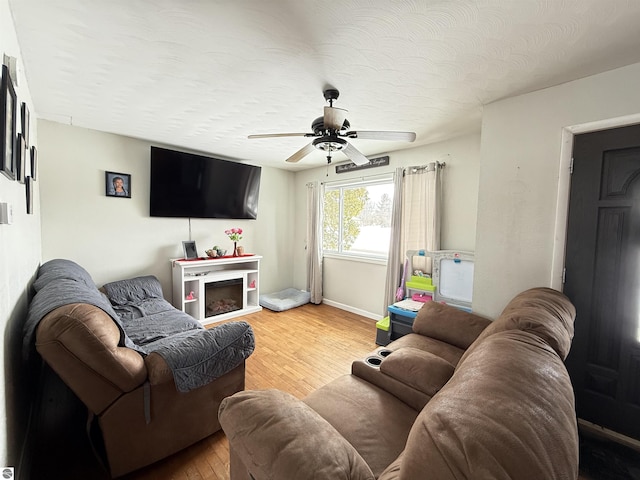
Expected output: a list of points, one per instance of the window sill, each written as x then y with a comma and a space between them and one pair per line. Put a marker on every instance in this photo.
356, 258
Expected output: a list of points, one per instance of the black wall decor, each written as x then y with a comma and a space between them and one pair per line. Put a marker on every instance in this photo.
34, 162
373, 162
21, 158
24, 122
29, 191
8, 132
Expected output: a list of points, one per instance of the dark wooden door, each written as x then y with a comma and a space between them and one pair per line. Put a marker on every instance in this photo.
603, 278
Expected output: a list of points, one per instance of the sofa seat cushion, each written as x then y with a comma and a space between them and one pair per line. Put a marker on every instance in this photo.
421, 370
450, 353
195, 355
375, 422
410, 374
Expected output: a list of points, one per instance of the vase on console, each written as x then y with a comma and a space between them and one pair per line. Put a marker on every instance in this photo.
234, 235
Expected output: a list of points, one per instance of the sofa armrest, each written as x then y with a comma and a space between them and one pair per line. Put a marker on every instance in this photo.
418, 369
197, 357
158, 369
275, 435
449, 324
81, 344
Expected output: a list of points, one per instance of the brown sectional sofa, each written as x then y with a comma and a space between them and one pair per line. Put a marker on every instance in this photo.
459, 398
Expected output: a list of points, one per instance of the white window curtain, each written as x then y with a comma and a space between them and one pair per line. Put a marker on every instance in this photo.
416, 226
421, 205
314, 241
395, 249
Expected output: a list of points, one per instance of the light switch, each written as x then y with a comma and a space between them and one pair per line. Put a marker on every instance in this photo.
6, 213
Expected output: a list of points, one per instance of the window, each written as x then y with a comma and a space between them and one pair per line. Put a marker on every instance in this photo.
357, 218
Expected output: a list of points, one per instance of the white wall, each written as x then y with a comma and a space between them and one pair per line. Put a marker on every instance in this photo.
19, 259
115, 238
517, 239
359, 286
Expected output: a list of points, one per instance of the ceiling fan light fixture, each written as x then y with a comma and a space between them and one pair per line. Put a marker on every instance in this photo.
329, 143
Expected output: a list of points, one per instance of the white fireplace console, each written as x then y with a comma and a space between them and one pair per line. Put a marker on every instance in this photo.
235, 281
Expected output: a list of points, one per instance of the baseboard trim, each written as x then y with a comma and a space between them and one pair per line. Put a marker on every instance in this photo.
348, 308
605, 433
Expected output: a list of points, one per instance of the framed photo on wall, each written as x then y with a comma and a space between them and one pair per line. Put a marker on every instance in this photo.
8, 124
24, 122
34, 162
118, 184
21, 159
29, 189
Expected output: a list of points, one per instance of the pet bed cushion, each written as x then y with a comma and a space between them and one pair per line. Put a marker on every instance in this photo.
284, 299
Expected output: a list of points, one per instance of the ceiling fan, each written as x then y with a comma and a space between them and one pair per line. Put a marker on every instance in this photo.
330, 132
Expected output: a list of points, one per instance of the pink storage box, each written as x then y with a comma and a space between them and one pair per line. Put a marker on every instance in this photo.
421, 297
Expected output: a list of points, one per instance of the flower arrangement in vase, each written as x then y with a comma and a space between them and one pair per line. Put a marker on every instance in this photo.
234, 235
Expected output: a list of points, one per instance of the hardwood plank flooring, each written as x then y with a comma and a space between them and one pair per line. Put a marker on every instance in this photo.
297, 351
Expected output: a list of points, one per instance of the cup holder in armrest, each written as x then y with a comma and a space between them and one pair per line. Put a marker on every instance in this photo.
373, 361
384, 353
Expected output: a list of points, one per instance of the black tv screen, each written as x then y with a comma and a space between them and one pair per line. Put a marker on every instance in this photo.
189, 185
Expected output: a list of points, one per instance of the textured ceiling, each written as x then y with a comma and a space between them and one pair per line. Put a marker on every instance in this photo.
203, 74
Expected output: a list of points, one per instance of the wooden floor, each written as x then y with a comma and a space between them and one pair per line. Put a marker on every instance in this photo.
297, 351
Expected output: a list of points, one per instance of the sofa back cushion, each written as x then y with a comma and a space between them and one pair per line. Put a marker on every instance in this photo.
133, 290
62, 269
507, 412
556, 306
63, 282
449, 324
544, 312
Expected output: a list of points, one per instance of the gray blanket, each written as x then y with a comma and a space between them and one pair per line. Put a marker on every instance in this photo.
195, 355
62, 282
147, 322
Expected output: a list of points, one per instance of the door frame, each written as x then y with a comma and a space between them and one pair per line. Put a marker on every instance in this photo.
560, 232
564, 188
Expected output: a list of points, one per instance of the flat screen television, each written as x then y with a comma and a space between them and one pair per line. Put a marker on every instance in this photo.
189, 185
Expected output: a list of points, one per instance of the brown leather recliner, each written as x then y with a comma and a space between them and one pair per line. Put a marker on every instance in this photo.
142, 416
151, 376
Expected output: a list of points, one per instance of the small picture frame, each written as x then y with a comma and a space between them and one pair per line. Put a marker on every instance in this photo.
34, 162
29, 190
190, 250
24, 122
117, 184
8, 125
21, 159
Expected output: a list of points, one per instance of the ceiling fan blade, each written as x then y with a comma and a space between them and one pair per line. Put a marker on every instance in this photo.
275, 135
354, 155
334, 117
391, 136
300, 154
